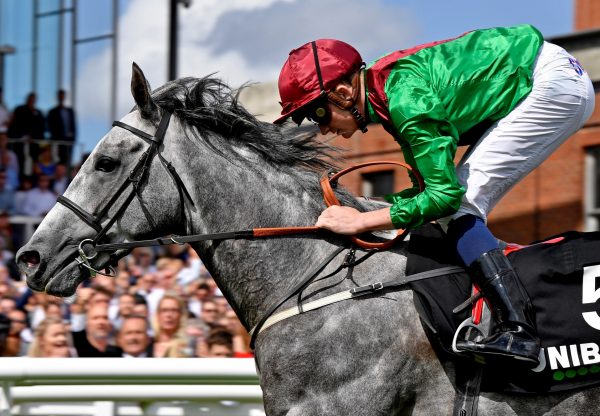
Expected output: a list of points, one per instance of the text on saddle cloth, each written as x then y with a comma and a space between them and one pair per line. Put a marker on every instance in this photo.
562, 277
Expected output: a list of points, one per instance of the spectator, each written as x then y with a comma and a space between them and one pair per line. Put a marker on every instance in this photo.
7, 245
192, 269
94, 340
145, 284
61, 179
86, 298
9, 163
7, 196
200, 293
53, 309
25, 186
141, 309
240, 338
4, 114
44, 164
20, 336
144, 259
222, 305
126, 303
4, 328
210, 313
39, 200
61, 123
123, 282
101, 294
8, 266
7, 304
51, 340
27, 122
169, 326
220, 344
133, 337
165, 282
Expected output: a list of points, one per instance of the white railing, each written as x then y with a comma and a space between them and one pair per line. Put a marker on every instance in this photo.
209, 381
27, 167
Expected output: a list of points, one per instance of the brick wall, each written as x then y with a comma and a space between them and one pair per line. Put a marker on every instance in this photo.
587, 14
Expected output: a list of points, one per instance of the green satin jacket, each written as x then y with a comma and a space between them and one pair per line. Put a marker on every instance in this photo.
431, 96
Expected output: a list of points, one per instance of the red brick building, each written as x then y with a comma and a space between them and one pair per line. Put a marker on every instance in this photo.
562, 194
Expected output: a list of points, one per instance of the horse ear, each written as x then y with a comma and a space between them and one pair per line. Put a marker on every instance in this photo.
140, 89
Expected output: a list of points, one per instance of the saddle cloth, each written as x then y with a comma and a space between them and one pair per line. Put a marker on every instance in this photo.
559, 274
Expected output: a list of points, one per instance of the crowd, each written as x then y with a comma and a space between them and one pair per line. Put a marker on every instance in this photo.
25, 133
162, 303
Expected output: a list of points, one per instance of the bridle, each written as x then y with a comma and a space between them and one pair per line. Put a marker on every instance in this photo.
87, 249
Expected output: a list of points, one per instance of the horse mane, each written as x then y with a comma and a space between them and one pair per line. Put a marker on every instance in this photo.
212, 109
216, 117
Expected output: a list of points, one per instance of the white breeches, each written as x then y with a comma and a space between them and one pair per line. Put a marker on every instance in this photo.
561, 100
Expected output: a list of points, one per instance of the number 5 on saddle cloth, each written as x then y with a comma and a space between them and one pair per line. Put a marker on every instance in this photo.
562, 278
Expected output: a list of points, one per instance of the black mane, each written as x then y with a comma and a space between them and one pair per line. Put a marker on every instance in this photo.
213, 111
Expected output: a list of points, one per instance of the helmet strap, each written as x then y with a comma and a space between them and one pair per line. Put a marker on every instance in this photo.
341, 102
349, 104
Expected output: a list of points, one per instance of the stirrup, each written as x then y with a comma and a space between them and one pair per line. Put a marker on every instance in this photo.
467, 323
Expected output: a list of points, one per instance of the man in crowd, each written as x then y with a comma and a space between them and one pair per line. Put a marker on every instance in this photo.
61, 123
27, 123
9, 163
94, 340
133, 337
4, 328
19, 336
39, 200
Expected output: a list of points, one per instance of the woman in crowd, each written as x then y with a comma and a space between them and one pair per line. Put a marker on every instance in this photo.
169, 327
51, 339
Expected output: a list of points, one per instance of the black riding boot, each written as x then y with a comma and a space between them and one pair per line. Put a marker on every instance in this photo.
514, 334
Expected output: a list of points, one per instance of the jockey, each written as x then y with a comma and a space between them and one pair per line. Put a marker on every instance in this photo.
512, 96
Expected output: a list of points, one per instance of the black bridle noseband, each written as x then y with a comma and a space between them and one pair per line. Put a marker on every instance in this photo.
137, 176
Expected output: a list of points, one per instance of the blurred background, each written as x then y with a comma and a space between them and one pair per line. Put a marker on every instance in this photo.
65, 68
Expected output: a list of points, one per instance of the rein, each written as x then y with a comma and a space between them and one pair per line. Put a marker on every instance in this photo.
88, 249
328, 182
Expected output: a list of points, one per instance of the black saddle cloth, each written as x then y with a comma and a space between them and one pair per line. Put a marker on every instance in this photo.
562, 277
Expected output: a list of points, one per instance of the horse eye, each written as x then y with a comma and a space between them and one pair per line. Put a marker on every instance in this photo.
106, 164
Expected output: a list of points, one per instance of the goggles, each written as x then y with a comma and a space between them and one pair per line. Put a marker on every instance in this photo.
316, 112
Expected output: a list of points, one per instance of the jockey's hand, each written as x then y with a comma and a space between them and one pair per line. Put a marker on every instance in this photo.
341, 220
349, 221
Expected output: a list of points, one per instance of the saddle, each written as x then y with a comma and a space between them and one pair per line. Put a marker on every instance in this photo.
559, 275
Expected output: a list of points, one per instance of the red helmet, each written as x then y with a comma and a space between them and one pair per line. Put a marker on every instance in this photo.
300, 81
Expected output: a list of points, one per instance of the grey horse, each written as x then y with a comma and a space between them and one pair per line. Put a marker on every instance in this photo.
367, 356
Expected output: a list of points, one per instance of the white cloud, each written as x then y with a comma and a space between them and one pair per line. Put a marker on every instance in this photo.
241, 40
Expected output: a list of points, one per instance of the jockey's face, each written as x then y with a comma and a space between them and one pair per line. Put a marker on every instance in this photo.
342, 123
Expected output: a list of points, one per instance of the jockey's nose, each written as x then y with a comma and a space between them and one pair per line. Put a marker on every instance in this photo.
324, 129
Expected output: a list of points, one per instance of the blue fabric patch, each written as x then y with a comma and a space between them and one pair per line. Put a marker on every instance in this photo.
471, 237
576, 66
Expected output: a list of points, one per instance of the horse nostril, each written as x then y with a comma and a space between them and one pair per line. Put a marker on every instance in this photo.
29, 259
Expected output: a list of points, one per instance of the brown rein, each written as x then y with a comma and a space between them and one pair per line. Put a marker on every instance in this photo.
328, 182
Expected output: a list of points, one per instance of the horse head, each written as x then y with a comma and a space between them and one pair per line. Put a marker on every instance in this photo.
123, 191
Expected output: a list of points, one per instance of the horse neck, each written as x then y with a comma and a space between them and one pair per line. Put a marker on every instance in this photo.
254, 274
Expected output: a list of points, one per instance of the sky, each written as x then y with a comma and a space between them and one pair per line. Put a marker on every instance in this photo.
248, 40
